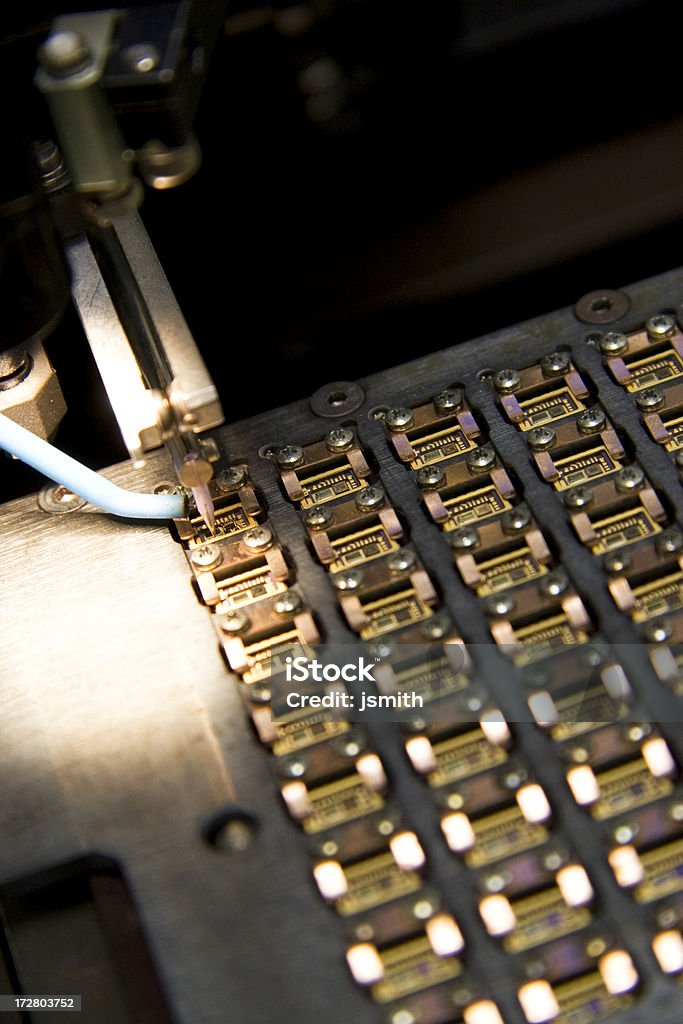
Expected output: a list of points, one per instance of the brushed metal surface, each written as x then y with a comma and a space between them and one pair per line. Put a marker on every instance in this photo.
120, 728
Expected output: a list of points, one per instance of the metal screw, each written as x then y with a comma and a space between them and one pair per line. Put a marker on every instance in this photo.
506, 381
59, 499
516, 519
448, 400
258, 539
292, 767
500, 605
381, 649
555, 364
436, 627
578, 497
398, 418
142, 57
613, 343
349, 579
351, 745
340, 439
676, 811
541, 438
206, 557
230, 478
430, 477
660, 326
590, 421
669, 541
481, 459
659, 631
464, 539
494, 882
649, 399
554, 584
553, 860
287, 603
260, 694
64, 53
616, 562
403, 560
630, 478
370, 498
15, 366
289, 456
625, 833
318, 517
234, 621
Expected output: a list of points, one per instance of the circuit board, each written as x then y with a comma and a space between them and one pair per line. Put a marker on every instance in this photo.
495, 529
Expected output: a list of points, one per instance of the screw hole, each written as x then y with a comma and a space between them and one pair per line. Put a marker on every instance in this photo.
601, 304
485, 374
230, 830
337, 398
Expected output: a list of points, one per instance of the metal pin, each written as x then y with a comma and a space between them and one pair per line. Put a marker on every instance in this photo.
195, 473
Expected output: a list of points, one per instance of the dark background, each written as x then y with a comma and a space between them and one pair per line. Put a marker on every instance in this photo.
382, 180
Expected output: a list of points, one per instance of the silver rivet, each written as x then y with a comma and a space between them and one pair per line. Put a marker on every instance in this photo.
289, 456
516, 519
630, 478
318, 517
556, 363
502, 604
650, 398
340, 439
287, 603
206, 557
613, 343
669, 541
590, 421
370, 498
659, 631
229, 479
554, 584
430, 477
235, 621
398, 418
660, 326
616, 562
541, 438
464, 539
348, 579
403, 560
578, 497
258, 539
506, 381
448, 400
481, 459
